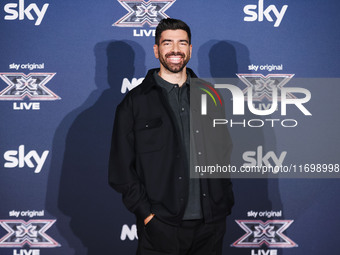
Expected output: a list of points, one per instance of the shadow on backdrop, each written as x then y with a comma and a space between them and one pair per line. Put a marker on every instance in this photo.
90, 214
226, 59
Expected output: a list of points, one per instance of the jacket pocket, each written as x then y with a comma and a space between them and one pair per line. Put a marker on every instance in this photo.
148, 134
221, 192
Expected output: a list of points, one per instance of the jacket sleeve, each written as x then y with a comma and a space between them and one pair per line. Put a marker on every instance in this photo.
122, 165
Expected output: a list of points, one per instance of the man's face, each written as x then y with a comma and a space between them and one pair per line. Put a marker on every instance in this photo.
174, 50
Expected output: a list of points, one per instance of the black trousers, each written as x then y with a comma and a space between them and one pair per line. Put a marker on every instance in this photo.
192, 237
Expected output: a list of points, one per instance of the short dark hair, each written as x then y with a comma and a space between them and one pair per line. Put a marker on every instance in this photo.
171, 24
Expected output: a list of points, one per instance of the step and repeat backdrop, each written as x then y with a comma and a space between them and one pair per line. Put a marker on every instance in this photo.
66, 65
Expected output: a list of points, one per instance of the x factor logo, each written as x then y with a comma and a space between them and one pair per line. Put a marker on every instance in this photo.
142, 12
32, 86
269, 233
262, 86
31, 233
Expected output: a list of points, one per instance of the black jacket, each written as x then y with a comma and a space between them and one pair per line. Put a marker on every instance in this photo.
148, 163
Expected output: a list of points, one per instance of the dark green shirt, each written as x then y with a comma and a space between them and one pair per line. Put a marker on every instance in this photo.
178, 98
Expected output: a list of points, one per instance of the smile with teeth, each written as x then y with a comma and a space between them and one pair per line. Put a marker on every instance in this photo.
175, 59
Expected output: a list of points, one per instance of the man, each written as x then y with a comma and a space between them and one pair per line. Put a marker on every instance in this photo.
149, 161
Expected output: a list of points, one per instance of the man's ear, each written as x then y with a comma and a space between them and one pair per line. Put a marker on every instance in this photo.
155, 51
190, 50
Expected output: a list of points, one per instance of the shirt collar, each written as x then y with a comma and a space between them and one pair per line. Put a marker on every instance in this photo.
167, 85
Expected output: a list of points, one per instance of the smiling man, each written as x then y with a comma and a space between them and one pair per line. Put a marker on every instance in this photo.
173, 50
150, 154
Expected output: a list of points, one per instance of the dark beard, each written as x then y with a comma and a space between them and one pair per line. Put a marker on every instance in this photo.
176, 68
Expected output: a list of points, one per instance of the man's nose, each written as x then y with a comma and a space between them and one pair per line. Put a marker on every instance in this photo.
175, 48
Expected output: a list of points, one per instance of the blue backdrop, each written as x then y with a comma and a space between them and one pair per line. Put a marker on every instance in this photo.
64, 67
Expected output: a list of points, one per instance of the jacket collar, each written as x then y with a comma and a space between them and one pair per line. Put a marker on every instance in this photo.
149, 82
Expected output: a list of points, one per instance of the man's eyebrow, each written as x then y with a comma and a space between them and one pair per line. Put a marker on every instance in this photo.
166, 40
169, 40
